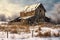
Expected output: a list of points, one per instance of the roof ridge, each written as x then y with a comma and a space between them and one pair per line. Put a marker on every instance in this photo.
31, 7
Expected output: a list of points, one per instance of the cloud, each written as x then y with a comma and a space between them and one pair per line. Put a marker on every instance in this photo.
9, 9
2, 17
55, 13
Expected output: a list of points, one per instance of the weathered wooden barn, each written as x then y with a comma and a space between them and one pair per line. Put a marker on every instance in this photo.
31, 14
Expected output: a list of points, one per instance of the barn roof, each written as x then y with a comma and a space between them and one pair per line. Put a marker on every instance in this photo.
16, 19
32, 7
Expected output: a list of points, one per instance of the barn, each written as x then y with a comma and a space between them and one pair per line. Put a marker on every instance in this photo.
31, 14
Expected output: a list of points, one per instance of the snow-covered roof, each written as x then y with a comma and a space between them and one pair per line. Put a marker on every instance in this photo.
31, 7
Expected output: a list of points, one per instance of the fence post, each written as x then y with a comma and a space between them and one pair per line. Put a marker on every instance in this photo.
32, 33
7, 33
7, 30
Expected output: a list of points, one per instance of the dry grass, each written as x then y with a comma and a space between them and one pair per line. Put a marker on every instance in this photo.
56, 34
47, 34
39, 34
15, 28
39, 29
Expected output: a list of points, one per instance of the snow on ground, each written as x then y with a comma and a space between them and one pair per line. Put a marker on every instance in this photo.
35, 38
28, 36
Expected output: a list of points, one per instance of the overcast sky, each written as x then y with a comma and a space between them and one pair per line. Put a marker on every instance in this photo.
13, 7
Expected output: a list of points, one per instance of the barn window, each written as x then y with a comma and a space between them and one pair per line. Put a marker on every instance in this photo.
40, 10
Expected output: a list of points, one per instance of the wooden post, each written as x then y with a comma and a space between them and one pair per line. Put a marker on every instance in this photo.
7, 33
7, 30
32, 32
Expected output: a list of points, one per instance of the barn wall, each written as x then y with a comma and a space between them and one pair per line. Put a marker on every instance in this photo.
40, 14
25, 14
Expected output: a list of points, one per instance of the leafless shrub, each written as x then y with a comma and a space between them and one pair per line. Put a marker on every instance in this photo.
14, 31
56, 34
39, 29
47, 34
39, 34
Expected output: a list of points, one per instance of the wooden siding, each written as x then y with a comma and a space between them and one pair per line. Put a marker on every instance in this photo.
25, 14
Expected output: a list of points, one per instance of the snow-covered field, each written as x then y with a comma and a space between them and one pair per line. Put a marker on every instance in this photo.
23, 36
54, 38
28, 36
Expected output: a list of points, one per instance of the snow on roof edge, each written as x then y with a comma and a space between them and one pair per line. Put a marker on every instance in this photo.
30, 7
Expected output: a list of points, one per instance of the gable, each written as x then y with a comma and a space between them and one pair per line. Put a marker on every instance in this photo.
41, 6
